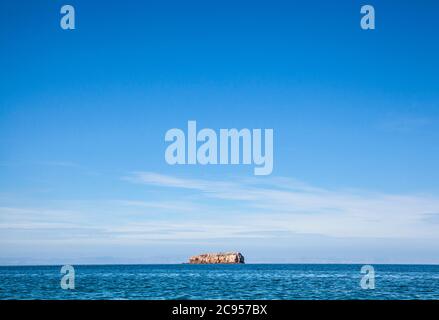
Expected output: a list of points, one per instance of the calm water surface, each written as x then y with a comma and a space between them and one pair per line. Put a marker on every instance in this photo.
277, 281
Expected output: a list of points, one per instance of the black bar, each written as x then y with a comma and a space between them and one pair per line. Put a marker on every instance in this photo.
221, 309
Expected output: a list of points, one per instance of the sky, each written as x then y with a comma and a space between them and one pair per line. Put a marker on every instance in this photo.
84, 112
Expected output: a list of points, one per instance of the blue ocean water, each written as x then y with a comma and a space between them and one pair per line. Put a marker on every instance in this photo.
258, 281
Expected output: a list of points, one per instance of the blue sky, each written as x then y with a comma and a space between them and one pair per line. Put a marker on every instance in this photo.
83, 115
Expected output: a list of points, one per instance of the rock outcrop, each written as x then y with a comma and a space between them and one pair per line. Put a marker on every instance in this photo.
217, 258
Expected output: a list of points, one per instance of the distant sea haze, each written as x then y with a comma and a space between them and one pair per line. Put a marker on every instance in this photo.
251, 281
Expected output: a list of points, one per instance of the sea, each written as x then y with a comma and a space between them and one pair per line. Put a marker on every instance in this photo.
246, 281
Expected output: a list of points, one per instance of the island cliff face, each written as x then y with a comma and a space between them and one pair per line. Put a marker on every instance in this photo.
217, 258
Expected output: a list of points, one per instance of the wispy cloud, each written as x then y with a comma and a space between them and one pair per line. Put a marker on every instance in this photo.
432, 217
156, 179
251, 208
174, 206
67, 164
403, 124
288, 204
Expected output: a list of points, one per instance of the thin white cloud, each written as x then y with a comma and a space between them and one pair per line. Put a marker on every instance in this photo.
181, 206
404, 124
156, 179
273, 208
298, 207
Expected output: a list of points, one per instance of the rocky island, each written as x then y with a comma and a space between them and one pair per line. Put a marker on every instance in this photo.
218, 258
